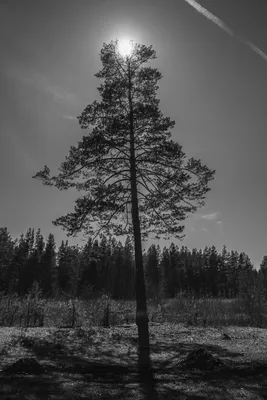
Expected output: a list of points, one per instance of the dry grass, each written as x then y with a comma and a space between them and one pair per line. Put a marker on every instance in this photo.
216, 312
100, 363
93, 362
33, 311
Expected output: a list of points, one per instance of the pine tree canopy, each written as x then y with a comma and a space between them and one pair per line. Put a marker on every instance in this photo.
128, 139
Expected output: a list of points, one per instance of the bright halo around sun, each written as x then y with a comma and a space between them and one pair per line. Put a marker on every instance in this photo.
125, 47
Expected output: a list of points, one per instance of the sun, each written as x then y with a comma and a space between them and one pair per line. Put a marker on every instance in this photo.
125, 47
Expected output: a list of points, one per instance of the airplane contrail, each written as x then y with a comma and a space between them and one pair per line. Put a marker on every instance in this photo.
217, 21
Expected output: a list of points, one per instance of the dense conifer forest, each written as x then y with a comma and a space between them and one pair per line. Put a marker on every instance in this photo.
106, 266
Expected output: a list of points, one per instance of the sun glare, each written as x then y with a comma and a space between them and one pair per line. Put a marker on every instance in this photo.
125, 47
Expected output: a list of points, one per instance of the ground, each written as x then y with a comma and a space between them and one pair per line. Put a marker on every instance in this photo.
100, 363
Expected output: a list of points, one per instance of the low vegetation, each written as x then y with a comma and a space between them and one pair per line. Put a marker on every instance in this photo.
207, 322
34, 311
88, 348
99, 363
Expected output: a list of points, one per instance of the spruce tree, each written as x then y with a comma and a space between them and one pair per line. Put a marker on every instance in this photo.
22, 274
48, 267
63, 276
7, 248
38, 252
152, 272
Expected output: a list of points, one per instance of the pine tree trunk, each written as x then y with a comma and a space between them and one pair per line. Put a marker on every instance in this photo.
141, 306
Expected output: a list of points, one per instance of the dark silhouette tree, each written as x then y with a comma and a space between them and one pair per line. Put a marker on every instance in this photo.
48, 275
22, 270
233, 265
136, 180
263, 275
224, 273
152, 272
173, 273
195, 262
86, 283
63, 276
130, 267
213, 271
69, 269
38, 252
244, 273
164, 266
7, 248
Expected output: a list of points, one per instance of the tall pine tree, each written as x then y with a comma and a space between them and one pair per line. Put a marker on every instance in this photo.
129, 167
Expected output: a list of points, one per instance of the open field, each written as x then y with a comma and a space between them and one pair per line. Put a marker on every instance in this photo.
100, 363
88, 349
35, 311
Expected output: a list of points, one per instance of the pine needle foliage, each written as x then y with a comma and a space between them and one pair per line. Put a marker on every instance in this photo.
128, 139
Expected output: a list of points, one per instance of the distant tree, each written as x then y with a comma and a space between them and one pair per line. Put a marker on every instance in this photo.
75, 270
130, 268
263, 265
7, 248
85, 286
71, 267
37, 256
234, 267
190, 272
119, 272
195, 264
183, 266
152, 271
29, 237
128, 166
63, 276
172, 271
224, 273
263, 275
201, 277
22, 274
32, 266
16, 276
244, 274
212, 276
164, 267
48, 273
95, 267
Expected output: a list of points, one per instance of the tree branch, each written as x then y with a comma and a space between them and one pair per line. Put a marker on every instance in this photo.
159, 216
157, 175
108, 222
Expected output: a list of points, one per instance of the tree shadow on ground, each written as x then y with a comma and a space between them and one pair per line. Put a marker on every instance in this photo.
233, 373
77, 375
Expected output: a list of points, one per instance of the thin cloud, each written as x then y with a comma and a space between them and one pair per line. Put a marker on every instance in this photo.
255, 49
217, 21
210, 217
69, 117
210, 223
60, 95
43, 84
220, 227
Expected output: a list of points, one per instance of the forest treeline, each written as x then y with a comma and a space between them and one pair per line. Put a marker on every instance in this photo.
107, 266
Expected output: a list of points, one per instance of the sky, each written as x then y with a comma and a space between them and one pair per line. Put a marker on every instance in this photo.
212, 57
